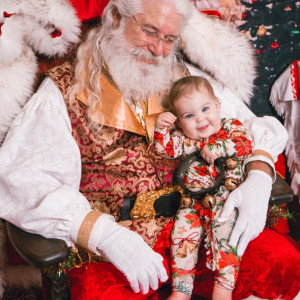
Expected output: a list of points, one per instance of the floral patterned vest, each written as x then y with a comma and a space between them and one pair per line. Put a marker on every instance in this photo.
115, 163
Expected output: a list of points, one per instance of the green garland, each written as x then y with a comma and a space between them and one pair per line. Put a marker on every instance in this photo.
61, 268
276, 213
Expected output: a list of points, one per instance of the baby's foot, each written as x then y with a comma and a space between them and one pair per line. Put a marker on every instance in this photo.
221, 293
178, 296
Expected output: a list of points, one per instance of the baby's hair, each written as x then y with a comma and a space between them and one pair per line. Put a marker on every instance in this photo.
184, 86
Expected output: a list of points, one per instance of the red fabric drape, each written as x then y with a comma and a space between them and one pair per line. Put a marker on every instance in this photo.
89, 9
269, 270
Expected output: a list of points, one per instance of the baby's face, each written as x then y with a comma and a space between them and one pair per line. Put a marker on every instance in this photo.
198, 114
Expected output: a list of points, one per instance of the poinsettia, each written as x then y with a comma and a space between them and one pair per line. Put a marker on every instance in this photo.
227, 259
243, 146
170, 149
222, 134
194, 220
159, 137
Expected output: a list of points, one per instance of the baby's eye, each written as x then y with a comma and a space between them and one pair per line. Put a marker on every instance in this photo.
189, 116
206, 108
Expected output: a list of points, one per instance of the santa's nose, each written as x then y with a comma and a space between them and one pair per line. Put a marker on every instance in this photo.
157, 48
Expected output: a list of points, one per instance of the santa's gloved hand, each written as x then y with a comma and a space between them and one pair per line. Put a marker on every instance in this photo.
129, 253
251, 198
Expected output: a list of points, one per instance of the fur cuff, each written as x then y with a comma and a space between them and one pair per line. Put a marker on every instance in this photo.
222, 51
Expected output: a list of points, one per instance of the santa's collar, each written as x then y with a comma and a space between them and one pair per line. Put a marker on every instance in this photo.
115, 112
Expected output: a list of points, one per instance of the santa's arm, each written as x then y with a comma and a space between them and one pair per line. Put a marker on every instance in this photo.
40, 169
40, 173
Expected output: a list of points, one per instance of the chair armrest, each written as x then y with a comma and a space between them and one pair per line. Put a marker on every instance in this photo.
281, 192
35, 249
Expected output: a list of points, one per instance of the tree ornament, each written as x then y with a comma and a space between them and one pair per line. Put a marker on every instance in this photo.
254, 1
260, 49
231, 163
244, 15
295, 31
288, 8
274, 45
261, 31
249, 13
209, 201
231, 184
253, 32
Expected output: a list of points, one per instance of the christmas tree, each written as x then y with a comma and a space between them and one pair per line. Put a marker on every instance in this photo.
274, 30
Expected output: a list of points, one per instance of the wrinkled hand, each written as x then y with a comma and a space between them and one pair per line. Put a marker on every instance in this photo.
129, 253
207, 155
165, 119
251, 198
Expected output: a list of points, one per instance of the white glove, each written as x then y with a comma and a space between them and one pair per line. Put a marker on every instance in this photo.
129, 253
251, 198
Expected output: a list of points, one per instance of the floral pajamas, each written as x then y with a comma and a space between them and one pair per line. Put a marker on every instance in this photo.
195, 223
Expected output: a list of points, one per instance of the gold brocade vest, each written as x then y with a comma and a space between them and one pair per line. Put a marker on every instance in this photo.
117, 161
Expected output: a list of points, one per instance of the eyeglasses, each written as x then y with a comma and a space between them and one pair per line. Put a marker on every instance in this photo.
154, 36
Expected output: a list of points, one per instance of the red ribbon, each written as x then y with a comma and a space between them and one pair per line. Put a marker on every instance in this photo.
189, 238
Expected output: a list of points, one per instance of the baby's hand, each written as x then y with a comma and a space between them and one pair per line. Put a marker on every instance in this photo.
165, 119
208, 155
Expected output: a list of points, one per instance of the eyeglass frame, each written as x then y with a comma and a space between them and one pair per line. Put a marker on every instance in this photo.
154, 35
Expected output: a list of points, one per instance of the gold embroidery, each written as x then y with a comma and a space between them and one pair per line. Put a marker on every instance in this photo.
148, 229
116, 157
151, 227
86, 227
143, 206
100, 206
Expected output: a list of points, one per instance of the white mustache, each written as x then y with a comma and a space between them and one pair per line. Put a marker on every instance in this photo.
146, 55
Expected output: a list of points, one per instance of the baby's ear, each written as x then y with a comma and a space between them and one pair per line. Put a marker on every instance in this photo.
217, 102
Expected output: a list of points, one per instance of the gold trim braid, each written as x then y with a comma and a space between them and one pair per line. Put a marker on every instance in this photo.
86, 227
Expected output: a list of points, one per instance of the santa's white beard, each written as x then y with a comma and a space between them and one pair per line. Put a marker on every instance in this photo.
134, 78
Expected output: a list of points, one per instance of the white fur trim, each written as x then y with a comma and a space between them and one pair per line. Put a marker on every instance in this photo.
16, 86
222, 51
26, 31
41, 18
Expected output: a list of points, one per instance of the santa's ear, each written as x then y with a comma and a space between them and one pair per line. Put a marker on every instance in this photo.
116, 18
54, 26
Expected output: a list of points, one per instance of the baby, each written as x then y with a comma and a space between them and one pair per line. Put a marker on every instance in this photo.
194, 108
